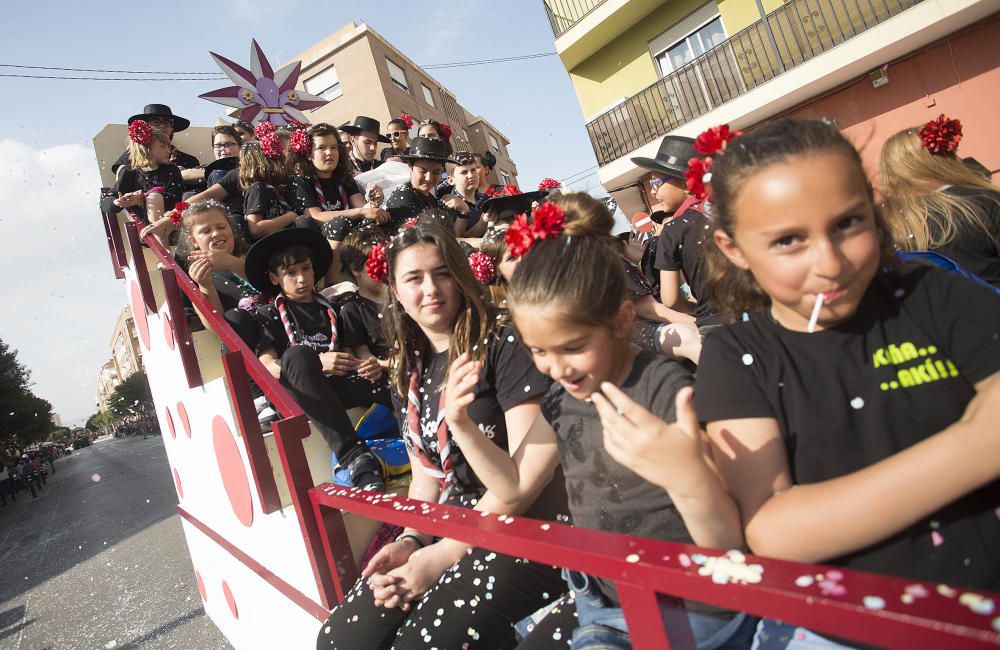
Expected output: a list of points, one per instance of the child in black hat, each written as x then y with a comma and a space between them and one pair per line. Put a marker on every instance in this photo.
426, 159
159, 116
299, 346
365, 135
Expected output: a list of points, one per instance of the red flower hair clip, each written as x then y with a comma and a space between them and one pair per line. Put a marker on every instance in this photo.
407, 120
270, 144
941, 136
509, 190
377, 264
445, 131
409, 223
482, 267
300, 142
295, 124
709, 143
264, 128
549, 184
549, 220
177, 214
140, 132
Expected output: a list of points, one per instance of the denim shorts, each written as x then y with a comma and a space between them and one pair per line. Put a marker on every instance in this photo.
603, 628
775, 635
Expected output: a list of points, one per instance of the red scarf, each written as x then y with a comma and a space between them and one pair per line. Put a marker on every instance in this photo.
445, 474
290, 330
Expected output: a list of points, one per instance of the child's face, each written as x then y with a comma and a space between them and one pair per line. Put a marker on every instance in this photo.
577, 356
210, 231
425, 288
507, 265
425, 175
326, 153
465, 178
668, 192
296, 281
428, 131
366, 283
805, 227
160, 152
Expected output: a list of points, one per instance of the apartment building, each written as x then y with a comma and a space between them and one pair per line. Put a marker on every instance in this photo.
126, 357
361, 73
645, 68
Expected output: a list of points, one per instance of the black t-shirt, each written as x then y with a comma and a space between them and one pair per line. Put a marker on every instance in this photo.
508, 378
406, 202
361, 324
971, 248
166, 176
389, 152
181, 159
310, 323
680, 249
231, 289
303, 194
604, 495
902, 369
360, 166
635, 281
234, 194
267, 201
475, 208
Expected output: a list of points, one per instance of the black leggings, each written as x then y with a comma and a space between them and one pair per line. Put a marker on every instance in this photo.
326, 399
474, 605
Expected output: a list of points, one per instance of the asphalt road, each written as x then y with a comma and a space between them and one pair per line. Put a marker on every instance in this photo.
99, 560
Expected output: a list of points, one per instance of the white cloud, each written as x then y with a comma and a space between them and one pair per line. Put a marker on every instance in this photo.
59, 292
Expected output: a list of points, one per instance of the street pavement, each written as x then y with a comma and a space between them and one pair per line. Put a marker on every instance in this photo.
99, 559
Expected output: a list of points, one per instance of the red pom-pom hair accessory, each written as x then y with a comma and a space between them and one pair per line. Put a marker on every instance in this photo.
548, 221
377, 264
407, 120
710, 142
300, 142
409, 223
941, 136
140, 132
177, 214
549, 184
445, 130
270, 145
263, 129
482, 267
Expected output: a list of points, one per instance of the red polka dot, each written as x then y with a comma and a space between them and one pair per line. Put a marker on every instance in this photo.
168, 330
182, 413
228, 593
139, 314
177, 482
201, 586
170, 422
234, 475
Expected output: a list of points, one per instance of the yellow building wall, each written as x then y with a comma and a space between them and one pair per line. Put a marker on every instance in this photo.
740, 14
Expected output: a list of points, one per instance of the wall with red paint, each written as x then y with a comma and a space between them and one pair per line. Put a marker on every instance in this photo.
959, 76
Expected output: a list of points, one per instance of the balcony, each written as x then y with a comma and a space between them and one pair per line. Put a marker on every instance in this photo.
787, 37
563, 14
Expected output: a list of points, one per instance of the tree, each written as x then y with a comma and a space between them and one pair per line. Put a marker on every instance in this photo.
131, 397
24, 417
98, 421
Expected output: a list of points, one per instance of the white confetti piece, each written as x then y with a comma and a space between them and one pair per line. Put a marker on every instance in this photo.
747, 359
857, 403
873, 602
804, 581
633, 558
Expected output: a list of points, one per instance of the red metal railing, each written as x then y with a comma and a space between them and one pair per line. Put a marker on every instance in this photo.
651, 576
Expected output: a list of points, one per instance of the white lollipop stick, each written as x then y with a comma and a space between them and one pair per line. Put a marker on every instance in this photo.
815, 313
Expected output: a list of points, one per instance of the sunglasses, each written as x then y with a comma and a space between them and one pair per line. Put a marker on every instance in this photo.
395, 134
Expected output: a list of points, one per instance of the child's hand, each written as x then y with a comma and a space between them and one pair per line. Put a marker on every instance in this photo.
370, 369
130, 199
456, 203
376, 214
201, 272
338, 363
460, 392
412, 580
659, 452
160, 229
374, 194
984, 409
219, 259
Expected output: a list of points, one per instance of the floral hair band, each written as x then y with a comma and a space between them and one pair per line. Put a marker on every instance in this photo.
377, 264
445, 130
549, 184
140, 132
270, 145
406, 119
548, 220
263, 129
711, 142
177, 214
300, 142
941, 136
482, 267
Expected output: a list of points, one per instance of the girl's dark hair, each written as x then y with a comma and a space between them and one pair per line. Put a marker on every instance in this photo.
303, 165
354, 251
255, 167
476, 322
579, 272
734, 290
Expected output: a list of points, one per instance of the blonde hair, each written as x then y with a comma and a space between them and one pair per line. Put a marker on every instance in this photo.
139, 155
199, 208
919, 216
255, 167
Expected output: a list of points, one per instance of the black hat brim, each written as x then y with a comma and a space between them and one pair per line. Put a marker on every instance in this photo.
356, 130
258, 255
517, 204
180, 123
222, 164
441, 159
654, 165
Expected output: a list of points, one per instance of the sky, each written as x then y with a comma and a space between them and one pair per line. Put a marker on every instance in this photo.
60, 297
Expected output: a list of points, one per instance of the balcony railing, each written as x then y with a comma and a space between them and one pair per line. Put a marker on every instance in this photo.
563, 14
788, 36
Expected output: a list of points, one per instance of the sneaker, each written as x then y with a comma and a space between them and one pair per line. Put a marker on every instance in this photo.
366, 473
265, 417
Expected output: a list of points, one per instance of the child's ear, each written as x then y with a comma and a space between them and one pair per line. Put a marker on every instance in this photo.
621, 326
730, 249
451, 180
275, 279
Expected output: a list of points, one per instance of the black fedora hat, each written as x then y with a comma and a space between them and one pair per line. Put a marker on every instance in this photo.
363, 123
161, 110
672, 158
222, 164
261, 251
428, 149
508, 207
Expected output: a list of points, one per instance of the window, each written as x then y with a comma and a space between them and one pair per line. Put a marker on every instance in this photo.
493, 143
504, 178
690, 47
428, 97
326, 84
398, 76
